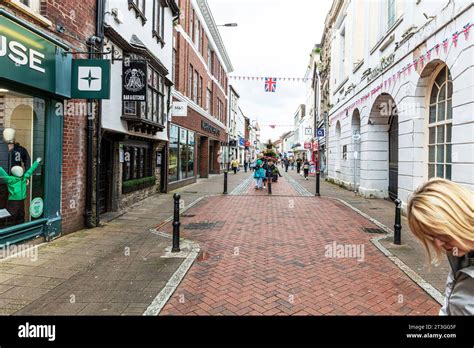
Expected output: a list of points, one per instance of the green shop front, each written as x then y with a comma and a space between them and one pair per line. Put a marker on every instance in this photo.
35, 79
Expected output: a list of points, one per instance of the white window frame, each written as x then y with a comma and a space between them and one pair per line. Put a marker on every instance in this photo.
436, 124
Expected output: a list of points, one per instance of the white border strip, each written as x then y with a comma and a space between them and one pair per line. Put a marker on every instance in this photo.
165, 294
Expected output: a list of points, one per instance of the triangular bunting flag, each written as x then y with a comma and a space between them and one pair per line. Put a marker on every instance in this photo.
455, 39
445, 45
467, 27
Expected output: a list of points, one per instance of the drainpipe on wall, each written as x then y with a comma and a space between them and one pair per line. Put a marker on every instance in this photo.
94, 43
100, 35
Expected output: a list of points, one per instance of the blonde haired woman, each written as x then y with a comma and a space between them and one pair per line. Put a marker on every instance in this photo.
440, 214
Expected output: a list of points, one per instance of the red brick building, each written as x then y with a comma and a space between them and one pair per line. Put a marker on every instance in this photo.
70, 23
201, 68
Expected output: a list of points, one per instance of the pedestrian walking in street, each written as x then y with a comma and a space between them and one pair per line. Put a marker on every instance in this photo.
306, 169
246, 165
440, 215
299, 161
286, 162
292, 163
272, 172
259, 174
235, 166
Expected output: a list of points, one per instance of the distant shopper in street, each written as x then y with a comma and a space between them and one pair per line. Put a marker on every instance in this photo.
292, 163
286, 162
235, 166
306, 169
299, 161
272, 172
440, 215
259, 174
265, 168
246, 165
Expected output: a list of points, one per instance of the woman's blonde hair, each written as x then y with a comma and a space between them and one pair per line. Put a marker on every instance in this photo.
442, 208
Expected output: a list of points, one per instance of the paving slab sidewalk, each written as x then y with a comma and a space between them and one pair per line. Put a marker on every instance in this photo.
411, 252
116, 269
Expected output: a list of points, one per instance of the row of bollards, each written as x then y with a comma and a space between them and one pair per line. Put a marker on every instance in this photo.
397, 239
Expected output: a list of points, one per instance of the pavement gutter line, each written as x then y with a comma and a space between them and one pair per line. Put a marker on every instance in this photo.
165, 294
427, 287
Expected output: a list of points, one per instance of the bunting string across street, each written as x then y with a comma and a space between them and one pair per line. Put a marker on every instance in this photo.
419, 62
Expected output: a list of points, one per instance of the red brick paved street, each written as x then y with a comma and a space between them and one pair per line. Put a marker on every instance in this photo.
267, 255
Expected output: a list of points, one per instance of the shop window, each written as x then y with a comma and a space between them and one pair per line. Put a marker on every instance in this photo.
22, 127
173, 154
137, 169
181, 154
440, 127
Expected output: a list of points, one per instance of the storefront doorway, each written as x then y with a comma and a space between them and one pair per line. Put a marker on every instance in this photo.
105, 176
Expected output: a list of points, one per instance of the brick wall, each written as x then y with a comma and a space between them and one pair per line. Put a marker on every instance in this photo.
79, 21
187, 56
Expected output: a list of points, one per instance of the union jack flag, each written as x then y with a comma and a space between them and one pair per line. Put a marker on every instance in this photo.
270, 84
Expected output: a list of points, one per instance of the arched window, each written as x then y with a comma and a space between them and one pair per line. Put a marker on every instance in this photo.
440, 126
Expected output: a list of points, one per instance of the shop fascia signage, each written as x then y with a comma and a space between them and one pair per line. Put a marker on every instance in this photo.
379, 69
209, 128
31, 59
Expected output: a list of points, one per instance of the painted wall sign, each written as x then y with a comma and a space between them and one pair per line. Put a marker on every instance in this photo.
90, 79
134, 81
31, 59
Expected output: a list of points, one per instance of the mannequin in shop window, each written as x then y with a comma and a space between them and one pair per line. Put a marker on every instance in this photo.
17, 184
17, 154
16, 179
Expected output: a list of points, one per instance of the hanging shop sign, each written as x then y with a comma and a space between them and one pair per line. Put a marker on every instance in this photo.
307, 146
180, 109
210, 128
308, 131
247, 143
241, 141
31, 59
90, 79
134, 81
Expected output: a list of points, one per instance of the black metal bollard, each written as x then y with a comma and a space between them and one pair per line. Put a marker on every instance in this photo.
318, 177
176, 224
270, 186
225, 182
397, 236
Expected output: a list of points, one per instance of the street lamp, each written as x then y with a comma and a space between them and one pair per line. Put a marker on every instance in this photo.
228, 25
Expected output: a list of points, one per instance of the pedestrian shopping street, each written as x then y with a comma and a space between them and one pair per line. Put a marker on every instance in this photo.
247, 253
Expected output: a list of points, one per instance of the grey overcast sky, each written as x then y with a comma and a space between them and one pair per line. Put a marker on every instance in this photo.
273, 39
